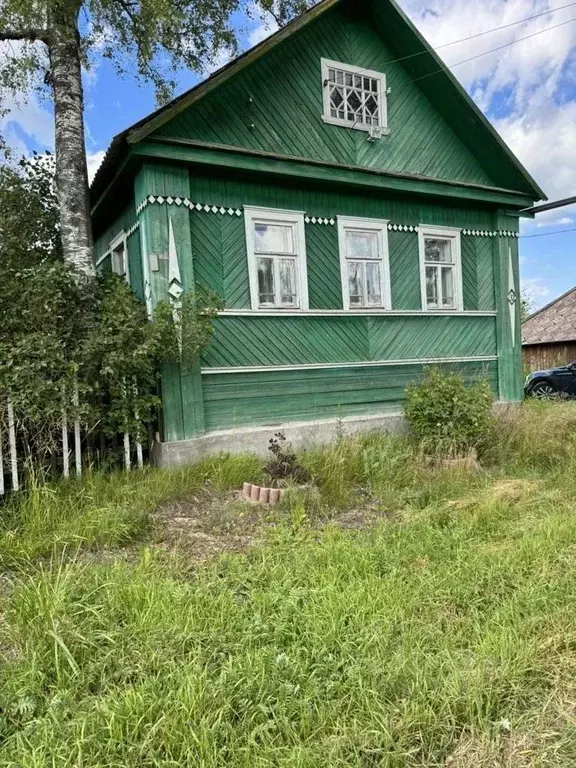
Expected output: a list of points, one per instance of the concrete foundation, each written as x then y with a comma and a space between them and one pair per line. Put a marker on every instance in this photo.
301, 434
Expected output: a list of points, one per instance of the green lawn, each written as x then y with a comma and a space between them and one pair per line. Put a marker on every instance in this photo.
401, 616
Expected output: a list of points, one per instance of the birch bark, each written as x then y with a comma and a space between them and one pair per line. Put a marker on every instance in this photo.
71, 169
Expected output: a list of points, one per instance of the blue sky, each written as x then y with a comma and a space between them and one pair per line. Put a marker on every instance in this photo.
528, 90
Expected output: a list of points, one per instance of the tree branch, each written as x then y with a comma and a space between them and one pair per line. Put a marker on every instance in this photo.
26, 33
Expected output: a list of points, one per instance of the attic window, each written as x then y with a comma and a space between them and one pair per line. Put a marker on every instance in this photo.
354, 97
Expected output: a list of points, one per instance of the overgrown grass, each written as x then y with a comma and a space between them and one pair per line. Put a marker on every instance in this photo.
105, 510
443, 636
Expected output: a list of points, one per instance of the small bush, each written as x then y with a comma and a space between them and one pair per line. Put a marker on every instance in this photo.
447, 416
284, 464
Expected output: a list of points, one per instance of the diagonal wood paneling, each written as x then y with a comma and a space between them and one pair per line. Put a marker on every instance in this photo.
207, 250
235, 264
469, 273
485, 272
324, 279
404, 270
394, 338
300, 340
286, 340
274, 397
275, 104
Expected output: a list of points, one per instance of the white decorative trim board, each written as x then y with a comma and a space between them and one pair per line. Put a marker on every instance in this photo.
308, 218
187, 203
319, 220
359, 364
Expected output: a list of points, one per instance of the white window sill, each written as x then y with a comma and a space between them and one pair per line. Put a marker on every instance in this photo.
354, 127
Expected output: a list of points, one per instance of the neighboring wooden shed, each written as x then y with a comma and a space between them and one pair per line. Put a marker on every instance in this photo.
549, 335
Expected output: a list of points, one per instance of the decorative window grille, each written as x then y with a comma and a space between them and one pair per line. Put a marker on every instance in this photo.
363, 245
276, 258
354, 97
440, 267
119, 255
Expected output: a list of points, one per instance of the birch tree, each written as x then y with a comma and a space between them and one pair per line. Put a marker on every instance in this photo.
51, 40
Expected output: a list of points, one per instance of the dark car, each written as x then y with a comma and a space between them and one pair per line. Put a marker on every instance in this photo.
560, 381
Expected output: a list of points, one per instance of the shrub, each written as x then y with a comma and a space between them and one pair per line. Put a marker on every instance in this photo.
447, 416
284, 464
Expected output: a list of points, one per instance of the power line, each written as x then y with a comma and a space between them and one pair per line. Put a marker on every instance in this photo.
547, 234
492, 50
486, 32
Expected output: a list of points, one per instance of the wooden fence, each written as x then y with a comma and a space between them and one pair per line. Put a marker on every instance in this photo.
537, 357
73, 449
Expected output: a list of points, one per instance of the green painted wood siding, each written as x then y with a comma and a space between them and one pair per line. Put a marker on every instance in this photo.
102, 244
239, 399
219, 253
219, 247
212, 251
293, 340
123, 222
275, 105
326, 201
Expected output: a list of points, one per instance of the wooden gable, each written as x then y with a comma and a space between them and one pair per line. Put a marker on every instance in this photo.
275, 105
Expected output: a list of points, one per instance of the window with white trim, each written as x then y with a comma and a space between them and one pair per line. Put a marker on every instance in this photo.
354, 97
363, 245
276, 258
440, 268
119, 255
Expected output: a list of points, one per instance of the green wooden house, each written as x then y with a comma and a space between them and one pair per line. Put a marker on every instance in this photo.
353, 209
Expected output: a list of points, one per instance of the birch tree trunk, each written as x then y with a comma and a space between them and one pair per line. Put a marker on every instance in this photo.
71, 169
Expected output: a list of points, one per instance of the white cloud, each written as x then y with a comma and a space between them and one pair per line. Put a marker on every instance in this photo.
536, 291
553, 220
94, 160
263, 24
27, 118
263, 30
222, 58
519, 87
528, 91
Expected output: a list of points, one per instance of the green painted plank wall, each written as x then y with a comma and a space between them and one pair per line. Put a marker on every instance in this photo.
135, 265
404, 270
123, 222
219, 248
241, 341
325, 201
323, 263
219, 253
239, 399
275, 104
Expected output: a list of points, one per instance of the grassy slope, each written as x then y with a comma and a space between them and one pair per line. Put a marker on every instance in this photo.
443, 636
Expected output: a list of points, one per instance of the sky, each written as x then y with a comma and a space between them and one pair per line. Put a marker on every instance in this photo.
527, 90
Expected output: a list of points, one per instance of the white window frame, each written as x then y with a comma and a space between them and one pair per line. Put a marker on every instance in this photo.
443, 233
254, 215
380, 226
380, 77
120, 239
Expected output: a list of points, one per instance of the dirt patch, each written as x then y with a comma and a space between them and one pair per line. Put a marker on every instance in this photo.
208, 524
361, 518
